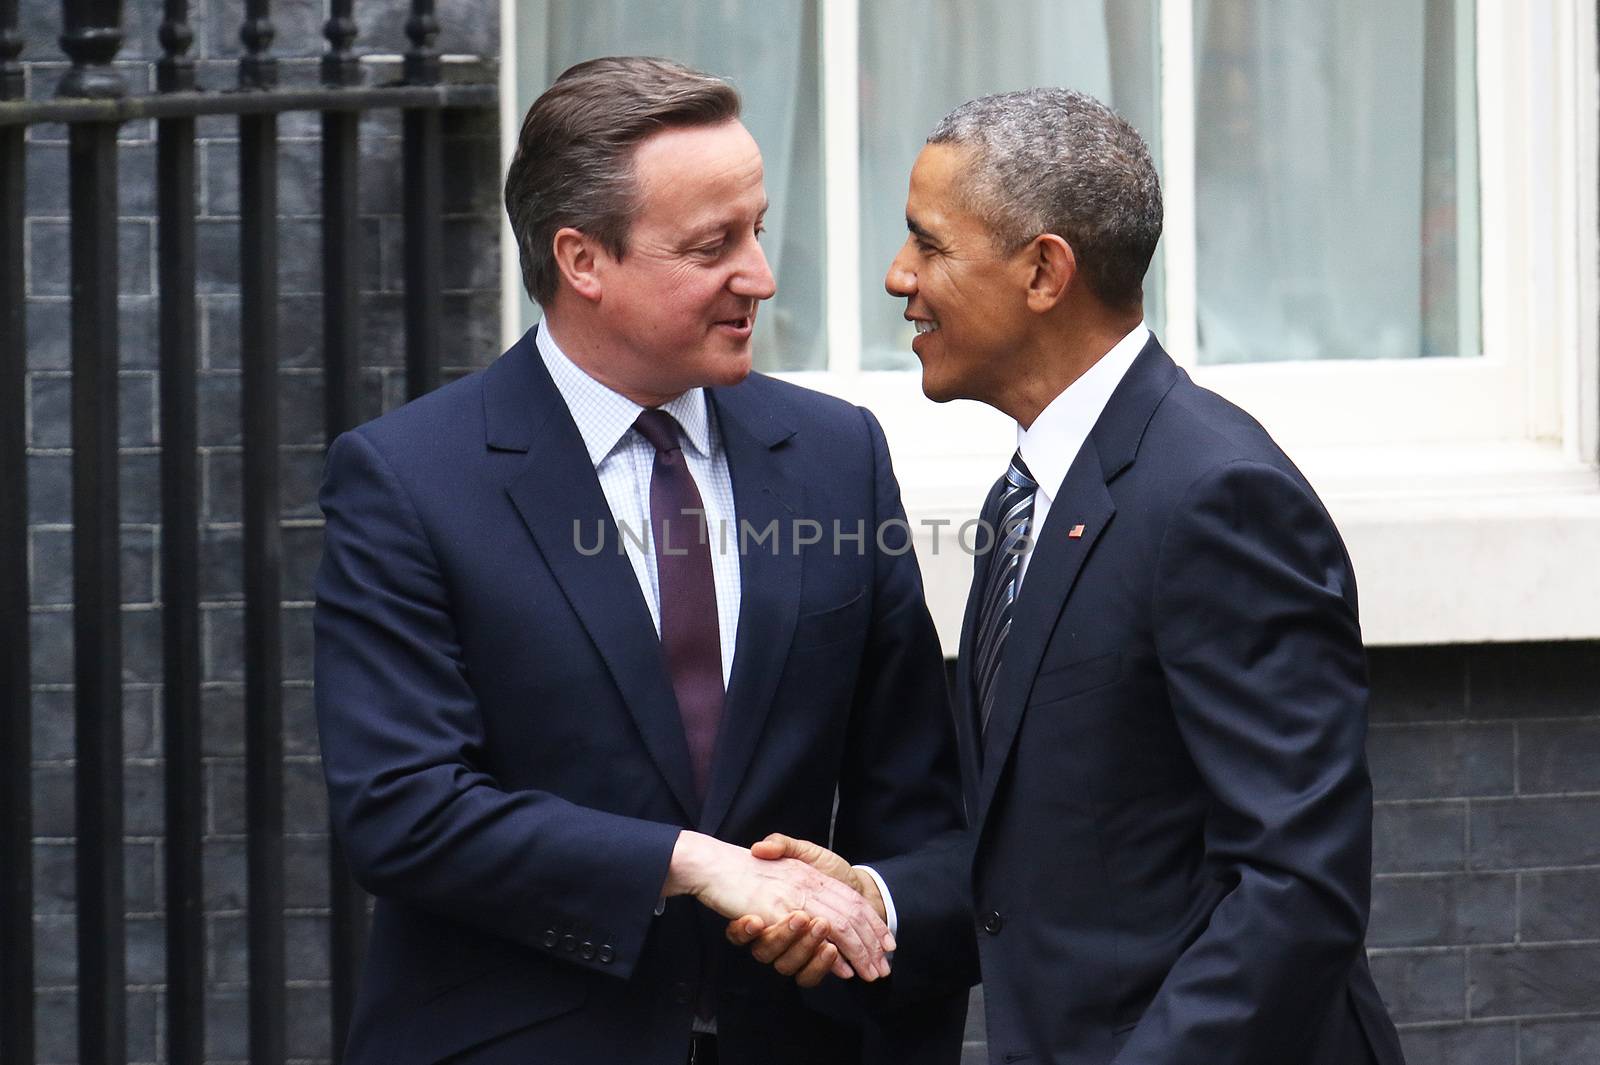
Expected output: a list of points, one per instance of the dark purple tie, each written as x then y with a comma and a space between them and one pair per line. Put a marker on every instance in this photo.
690, 638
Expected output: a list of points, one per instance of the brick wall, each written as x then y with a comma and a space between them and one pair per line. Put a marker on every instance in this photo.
471, 328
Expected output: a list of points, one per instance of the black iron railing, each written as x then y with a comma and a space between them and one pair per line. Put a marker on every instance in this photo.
93, 101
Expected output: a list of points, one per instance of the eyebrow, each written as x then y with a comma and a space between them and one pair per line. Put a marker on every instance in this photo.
918, 231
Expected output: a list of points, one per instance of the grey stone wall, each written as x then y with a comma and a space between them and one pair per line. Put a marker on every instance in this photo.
471, 328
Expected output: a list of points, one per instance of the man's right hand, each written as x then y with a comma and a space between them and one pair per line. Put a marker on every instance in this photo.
793, 947
737, 884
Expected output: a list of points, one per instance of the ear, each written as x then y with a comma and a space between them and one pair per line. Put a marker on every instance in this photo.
1053, 266
576, 258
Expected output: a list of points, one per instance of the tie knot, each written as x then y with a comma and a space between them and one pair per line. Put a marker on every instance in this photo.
660, 428
1018, 475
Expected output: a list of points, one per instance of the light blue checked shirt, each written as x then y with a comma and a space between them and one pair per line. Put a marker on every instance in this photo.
624, 460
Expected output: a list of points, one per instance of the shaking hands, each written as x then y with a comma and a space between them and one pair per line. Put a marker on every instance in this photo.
838, 927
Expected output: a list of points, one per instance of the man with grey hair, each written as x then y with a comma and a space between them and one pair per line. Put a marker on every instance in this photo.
548, 761
1161, 667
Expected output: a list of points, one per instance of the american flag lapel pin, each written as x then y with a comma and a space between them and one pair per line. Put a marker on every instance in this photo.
1076, 533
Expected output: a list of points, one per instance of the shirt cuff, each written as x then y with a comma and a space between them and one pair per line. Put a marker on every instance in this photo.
890, 917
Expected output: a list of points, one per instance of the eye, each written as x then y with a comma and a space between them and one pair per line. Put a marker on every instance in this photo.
760, 229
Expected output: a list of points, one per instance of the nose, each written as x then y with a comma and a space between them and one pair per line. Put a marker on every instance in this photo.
754, 277
901, 280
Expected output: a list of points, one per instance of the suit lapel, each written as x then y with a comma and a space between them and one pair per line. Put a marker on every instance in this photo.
1052, 571
1058, 558
557, 495
769, 594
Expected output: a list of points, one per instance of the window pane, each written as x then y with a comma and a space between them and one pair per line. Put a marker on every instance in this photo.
920, 58
768, 48
1336, 174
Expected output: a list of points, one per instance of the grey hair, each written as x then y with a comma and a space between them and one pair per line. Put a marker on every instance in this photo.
574, 160
1060, 161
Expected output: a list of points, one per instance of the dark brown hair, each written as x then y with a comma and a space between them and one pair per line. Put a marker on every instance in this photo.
574, 160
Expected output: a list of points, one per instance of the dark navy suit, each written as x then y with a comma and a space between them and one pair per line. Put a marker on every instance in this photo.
1173, 812
505, 761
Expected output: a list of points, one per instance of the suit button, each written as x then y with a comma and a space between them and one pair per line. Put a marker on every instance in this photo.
586, 952
993, 922
607, 955
682, 994
569, 943
550, 939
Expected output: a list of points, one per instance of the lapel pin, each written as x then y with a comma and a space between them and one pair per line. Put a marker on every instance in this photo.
1076, 533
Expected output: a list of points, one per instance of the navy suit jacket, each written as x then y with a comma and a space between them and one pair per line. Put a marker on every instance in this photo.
1173, 812
505, 763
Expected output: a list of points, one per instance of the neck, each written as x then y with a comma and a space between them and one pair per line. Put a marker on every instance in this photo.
1058, 357
594, 353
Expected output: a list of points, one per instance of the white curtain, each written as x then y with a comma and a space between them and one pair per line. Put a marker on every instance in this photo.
920, 58
1335, 198
768, 49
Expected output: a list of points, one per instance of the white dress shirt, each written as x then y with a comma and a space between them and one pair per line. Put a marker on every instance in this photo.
1053, 441
623, 462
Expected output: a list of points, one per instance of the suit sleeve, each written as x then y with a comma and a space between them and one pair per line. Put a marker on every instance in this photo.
403, 744
900, 806
1257, 635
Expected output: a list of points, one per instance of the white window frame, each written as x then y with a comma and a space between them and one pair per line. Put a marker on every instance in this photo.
1466, 488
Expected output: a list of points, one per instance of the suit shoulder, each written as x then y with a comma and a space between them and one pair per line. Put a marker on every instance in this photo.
1200, 430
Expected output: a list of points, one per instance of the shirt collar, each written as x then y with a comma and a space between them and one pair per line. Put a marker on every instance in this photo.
1053, 441
604, 416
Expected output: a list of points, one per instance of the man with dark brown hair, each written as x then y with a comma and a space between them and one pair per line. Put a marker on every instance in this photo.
577, 649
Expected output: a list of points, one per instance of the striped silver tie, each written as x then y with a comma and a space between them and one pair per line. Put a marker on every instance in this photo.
1015, 522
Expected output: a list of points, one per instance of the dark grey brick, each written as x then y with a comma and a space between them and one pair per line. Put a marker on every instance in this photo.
139, 332
471, 253
217, 256
140, 489
1418, 837
146, 957
225, 798
222, 629
55, 951
305, 799
144, 1022
1558, 756
1517, 981
49, 264
310, 1031
1560, 1042
55, 1016
1534, 680
300, 333
306, 947
217, 395
50, 489
50, 633
144, 798
228, 950
51, 574
141, 646
1469, 1044
301, 251
299, 178
300, 414
1441, 761
305, 861
221, 563
47, 177
298, 24
1560, 905
227, 1025
223, 477
1421, 986
1427, 911
53, 723
222, 708
1524, 833
54, 889
300, 477
300, 722
297, 639
301, 472
50, 411
302, 552
225, 875
49, 334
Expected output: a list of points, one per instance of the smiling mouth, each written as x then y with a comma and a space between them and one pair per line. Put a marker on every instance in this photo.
924, 326
746, 322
